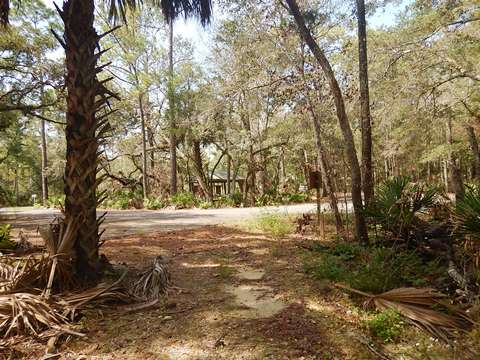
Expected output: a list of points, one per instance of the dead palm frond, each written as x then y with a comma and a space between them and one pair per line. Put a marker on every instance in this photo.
153, 282
417, 305
24, 313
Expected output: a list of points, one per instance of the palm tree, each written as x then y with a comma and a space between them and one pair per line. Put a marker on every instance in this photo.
87, 120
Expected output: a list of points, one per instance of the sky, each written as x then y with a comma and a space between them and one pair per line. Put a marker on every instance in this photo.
192, 30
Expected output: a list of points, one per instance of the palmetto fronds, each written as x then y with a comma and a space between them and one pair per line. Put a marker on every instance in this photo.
417, 305
201, 9
397, 202
467, 213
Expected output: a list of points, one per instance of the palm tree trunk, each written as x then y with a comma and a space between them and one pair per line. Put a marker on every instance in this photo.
367, 183
173, 125
360, 225
83, 133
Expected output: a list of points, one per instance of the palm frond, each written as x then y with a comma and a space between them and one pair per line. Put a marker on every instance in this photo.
467, 213
201, 9
417, 305
24, 313
153, 282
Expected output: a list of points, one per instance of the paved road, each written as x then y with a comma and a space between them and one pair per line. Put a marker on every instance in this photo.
131, 222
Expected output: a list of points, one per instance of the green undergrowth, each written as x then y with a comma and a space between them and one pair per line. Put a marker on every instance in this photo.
275, 224
386, 325
371, 269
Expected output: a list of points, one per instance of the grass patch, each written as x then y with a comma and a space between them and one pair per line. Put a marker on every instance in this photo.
277, 225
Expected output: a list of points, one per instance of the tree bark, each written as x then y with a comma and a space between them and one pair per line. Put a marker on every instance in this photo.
44, 163
472, 139
199, 172
367, 180
144, 148
173, 125
455, 173
326, 174
360, 225
83, 132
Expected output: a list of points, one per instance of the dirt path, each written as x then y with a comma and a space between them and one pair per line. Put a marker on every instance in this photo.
239, 296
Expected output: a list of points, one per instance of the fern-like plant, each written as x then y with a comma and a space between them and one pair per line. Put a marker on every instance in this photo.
398, 202
466, 214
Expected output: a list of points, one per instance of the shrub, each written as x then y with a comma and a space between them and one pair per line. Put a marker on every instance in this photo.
184, 200
298, 197
374, 270
225, 201
153, 203
56, 201
205, 205
268, 198
236, 198
467, 212
396, 204
386, 325
276, 225
327, 267
6, 241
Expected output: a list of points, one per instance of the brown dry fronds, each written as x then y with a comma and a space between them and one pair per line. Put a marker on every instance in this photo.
153, 282
417, 305
24, 313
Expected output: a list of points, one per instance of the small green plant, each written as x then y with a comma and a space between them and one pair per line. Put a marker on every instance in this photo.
56, 201
153, 203
6, 242
275, 224
184, 200
327, 267
206, 205
236, 198
297, 197
386, 325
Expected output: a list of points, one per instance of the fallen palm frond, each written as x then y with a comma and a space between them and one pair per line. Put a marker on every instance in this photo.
103, 292
24, 313
153, 282
417, 305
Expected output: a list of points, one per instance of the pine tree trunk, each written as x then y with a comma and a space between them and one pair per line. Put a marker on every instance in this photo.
367, 180
360, 225
82, 136
173, 125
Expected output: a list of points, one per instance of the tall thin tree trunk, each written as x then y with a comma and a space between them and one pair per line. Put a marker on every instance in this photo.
173, 125
360, 224
144, 148
44, 163
367, 180
455, 173
326, 176
229, 171
472, 139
